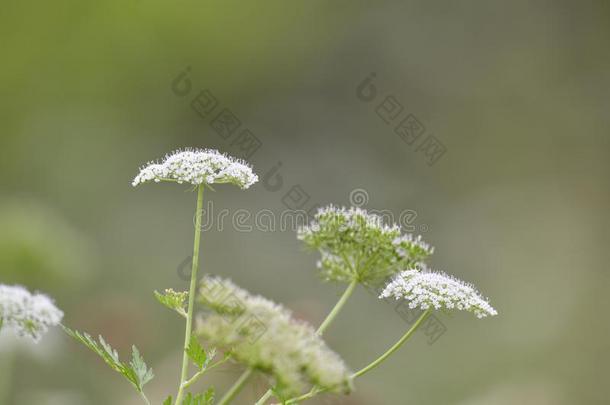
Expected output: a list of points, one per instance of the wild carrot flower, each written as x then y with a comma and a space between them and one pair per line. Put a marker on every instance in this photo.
264, 336
198, 166
425, 290
409, 245
28, 314
357, 245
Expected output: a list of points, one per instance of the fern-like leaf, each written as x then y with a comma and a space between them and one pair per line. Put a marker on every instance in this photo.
196, 353
139, 367
206, 398
136, 372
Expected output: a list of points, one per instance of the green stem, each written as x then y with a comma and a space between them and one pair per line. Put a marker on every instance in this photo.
144, 398
193, 286
325, 324
198, 374
338, 307
265, 397
194, 378
316, 390
396, 346
236, 388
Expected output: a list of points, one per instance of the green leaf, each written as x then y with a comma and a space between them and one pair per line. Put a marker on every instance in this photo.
139, 367
196, 353
208, 397
168, 401
200, 399
136, 372
173, 300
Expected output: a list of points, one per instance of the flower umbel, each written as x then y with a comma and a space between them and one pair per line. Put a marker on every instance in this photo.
357, 245
198, 166
426, 290
264, 336
28, 314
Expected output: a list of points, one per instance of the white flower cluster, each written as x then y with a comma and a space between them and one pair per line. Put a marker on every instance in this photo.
426, 290
198, 166
356, 245
348, 218
263, 335
405, 243
28, 314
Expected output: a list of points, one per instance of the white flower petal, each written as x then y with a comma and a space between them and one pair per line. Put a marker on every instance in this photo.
28, 314
438, 290
198, 166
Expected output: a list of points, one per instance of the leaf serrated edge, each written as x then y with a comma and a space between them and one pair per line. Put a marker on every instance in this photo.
137, 373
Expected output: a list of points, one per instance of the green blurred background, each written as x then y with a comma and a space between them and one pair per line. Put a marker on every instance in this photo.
517, 93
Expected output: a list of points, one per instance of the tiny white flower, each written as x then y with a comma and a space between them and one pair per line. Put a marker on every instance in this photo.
425, 290
265, 336
198, 166
357, 245
28, 314
407, 243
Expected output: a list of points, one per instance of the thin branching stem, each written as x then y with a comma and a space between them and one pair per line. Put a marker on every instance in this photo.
396, 346
201, 372
325, 324
338, 307
144, 398
263, 400
317, 390
192, 290
236, 388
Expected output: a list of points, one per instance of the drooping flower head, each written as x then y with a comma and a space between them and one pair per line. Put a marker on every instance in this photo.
263, 335
198, 166
357, 245
425, 290
27, 314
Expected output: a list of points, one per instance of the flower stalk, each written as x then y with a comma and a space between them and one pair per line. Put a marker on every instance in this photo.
201, 372
317, 390
192, 290
322, 328
236, 388
338, 307
396, 346
144, 398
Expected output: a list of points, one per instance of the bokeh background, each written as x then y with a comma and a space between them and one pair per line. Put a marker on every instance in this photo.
515, 92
